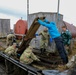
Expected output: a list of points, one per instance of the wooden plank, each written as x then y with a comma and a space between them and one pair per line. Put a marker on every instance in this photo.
30, 35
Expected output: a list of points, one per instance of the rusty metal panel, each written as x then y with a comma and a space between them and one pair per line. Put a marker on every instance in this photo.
71, 28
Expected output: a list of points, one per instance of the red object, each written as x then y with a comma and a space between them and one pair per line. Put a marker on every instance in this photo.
20, 28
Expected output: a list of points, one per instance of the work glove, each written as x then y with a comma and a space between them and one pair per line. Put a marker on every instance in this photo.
51, 40
40, 18
43, 17
37, 18
36, 34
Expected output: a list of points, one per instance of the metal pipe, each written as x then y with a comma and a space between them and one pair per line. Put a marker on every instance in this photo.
58, 13
27, 8
58, 7
27, 11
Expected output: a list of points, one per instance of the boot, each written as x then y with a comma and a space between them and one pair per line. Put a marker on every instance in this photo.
42, 50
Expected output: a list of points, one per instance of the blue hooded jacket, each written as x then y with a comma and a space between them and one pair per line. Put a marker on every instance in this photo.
52, 28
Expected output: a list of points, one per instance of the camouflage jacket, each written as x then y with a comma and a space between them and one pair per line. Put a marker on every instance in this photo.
44, 35
66, 36
10, 50
28, 56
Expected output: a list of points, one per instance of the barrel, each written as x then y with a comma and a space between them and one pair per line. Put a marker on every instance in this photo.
20, 28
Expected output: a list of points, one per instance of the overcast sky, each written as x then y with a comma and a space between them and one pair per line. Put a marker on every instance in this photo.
15, 9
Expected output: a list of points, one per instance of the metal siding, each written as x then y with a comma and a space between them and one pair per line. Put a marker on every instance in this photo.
50, 17
4, 27
0, 27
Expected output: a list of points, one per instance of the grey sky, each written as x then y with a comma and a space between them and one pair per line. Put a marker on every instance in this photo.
67, 8
15, 9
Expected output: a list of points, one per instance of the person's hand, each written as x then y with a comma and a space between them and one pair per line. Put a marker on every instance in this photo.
38, 59
36, 34
37, 18
43, 17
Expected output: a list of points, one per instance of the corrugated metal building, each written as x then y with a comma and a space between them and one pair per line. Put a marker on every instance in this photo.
50, 16
4, 27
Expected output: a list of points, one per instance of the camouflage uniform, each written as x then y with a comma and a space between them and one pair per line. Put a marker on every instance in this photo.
9, 39
28, 56
44, 39
10, 50
66, 36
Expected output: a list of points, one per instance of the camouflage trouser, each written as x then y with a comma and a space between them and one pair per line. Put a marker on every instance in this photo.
9, 43
44, 44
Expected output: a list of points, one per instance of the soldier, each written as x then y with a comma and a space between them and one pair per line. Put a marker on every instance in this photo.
11, 50
28, 56
10, 39
44, 40
66, 36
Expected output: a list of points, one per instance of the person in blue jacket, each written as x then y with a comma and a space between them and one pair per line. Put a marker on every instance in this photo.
55, 34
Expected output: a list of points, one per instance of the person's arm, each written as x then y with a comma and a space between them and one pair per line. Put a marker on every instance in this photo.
43, 23
69, 36
45, 20
33, 56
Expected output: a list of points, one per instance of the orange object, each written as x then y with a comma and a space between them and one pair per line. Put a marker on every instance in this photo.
20, 28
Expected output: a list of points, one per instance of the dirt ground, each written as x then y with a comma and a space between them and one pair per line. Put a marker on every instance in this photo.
62, 68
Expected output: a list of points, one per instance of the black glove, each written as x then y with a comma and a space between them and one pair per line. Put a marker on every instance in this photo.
37, 18
43, 17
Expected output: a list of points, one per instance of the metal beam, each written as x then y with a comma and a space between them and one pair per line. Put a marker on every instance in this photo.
25, 67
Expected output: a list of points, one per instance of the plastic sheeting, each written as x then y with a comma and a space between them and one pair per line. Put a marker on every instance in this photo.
55, 72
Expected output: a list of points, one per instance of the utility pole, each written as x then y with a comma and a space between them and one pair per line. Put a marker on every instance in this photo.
58, 12
58, 7
27, 10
